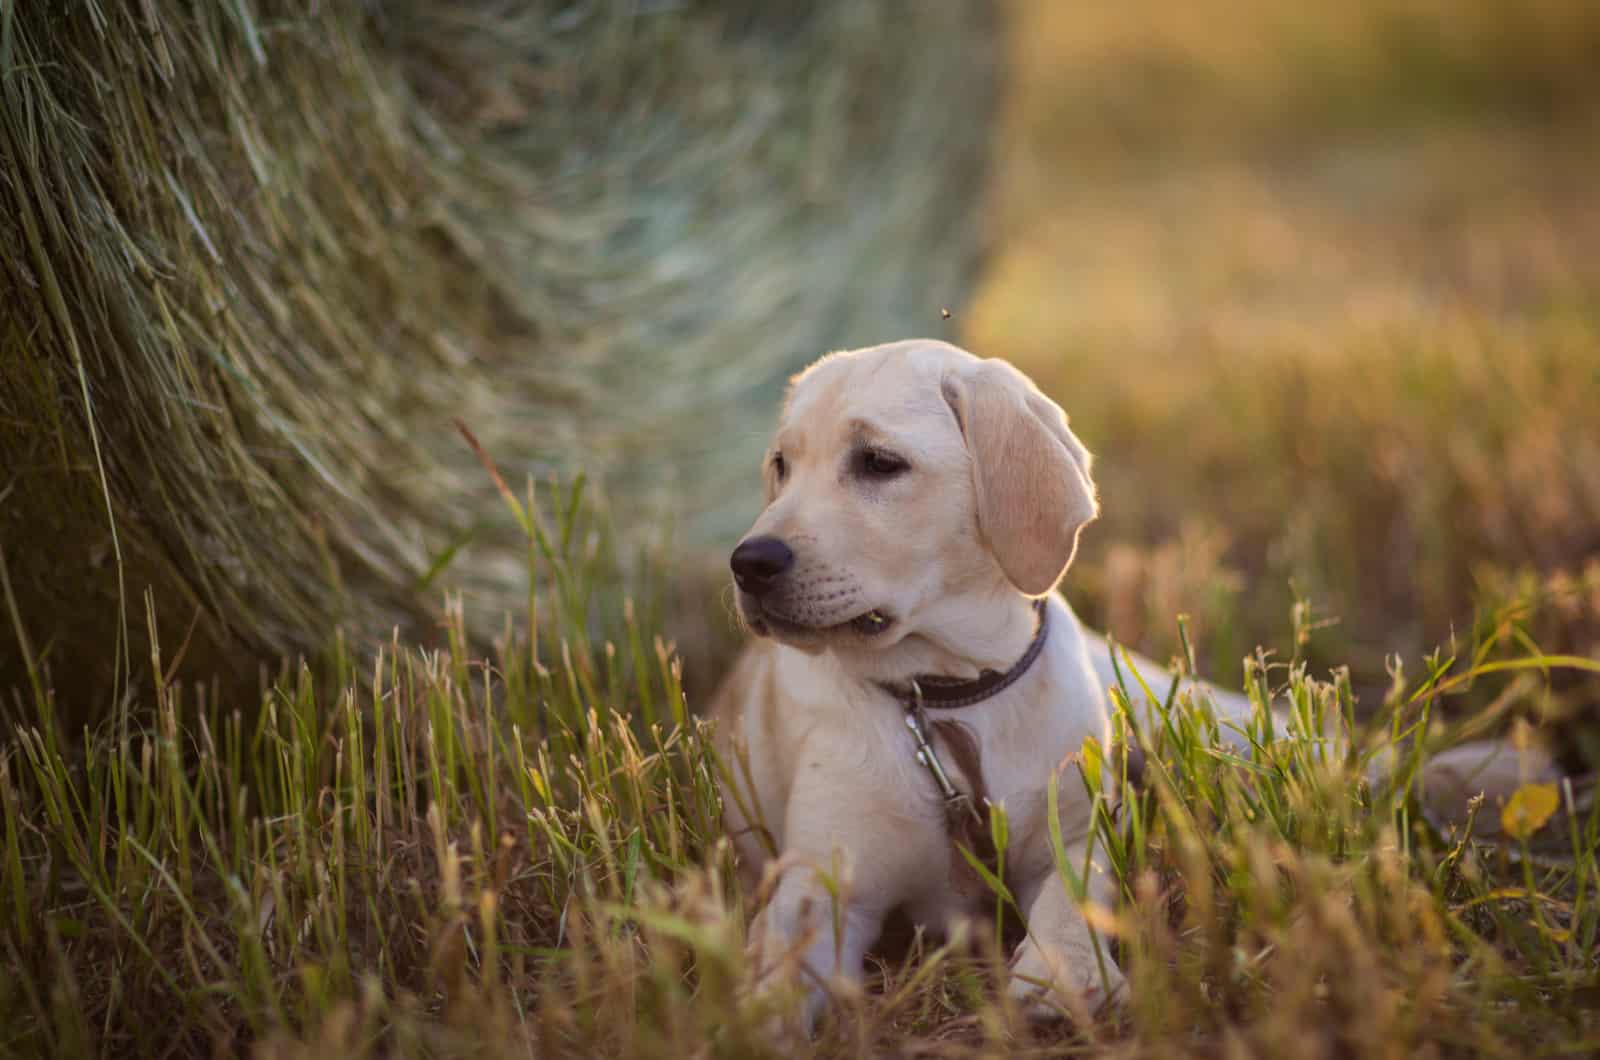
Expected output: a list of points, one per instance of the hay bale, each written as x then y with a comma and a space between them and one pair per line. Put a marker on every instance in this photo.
255, 257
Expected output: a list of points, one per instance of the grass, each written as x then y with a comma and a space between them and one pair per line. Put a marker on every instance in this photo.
1331, 328
255, 256
400, 851
1327, 314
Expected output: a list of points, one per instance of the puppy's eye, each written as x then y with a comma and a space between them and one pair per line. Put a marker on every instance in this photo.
879, 463
779, 468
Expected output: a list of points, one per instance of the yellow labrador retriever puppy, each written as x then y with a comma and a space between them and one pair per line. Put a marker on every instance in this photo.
913, 667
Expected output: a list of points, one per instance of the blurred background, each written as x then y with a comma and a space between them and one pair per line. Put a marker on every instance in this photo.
1319, 284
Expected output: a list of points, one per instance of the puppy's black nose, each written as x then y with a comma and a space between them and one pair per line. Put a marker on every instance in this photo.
758, 562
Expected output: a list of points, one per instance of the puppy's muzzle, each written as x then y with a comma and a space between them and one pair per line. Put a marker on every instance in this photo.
759, 562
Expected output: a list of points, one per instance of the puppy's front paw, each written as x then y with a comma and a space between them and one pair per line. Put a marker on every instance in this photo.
1065, 989
790, 1006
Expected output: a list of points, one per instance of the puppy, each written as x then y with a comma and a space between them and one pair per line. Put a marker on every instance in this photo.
913, 668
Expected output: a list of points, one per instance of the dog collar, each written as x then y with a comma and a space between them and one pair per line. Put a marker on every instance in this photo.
937, 692
931, 691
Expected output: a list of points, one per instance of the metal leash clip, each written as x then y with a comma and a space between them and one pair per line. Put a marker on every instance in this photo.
956, 803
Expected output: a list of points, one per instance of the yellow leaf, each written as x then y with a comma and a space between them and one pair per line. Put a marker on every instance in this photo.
1528, 809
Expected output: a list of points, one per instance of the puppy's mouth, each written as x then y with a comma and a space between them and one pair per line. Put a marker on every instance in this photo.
763, 620
872, 623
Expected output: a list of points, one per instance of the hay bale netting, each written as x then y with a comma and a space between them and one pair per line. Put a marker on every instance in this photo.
257, 257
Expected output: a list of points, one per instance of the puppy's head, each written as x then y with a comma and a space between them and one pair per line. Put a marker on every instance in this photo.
908, 485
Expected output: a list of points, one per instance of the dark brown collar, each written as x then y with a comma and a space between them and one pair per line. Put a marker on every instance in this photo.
936, 692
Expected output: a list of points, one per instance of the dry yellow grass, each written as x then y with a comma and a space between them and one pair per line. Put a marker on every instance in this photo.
255, 257
1318, 285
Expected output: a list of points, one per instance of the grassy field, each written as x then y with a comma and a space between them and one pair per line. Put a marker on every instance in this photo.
433, 853
1320, 292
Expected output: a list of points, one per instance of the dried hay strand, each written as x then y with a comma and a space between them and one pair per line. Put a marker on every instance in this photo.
256, 257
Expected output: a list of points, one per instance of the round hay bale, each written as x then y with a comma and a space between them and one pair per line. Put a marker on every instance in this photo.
256, 257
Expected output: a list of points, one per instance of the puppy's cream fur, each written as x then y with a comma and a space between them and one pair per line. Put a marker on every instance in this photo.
952, 550
933, 569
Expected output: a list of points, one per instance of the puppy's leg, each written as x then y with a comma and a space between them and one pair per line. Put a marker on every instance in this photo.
1061, 962
808, 934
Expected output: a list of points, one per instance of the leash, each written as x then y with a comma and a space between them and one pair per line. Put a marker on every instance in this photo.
925, 692
957, 803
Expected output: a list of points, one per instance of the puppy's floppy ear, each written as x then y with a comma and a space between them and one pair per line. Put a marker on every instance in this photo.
1030, 472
